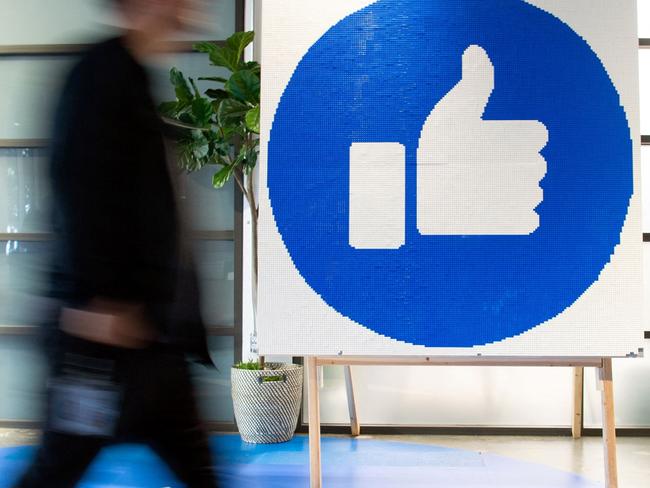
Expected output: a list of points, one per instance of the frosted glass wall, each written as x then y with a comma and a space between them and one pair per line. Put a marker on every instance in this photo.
37, 22
30, 85
644, 65
644, 18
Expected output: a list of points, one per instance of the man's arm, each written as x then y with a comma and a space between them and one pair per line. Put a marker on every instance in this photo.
92, 167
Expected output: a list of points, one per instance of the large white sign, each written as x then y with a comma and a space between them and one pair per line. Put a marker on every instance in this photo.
451, 178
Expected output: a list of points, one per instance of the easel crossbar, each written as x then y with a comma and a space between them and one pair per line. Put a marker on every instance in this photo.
582, 362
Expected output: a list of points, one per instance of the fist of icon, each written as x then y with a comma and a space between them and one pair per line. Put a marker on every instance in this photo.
475, 176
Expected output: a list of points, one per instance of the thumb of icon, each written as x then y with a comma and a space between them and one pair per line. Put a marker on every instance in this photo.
468, 99
475, 176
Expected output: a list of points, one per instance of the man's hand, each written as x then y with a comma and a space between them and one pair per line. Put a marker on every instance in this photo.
109, 322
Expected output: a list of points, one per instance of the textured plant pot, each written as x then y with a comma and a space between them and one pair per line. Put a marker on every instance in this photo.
267, 411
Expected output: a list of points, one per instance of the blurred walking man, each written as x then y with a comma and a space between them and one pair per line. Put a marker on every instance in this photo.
129, 311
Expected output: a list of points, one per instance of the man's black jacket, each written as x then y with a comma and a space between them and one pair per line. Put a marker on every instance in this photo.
114, 208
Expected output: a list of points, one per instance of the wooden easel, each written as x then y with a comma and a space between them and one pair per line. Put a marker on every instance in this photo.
603, 365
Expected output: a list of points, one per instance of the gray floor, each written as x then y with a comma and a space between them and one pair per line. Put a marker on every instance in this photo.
17, 437
584, 457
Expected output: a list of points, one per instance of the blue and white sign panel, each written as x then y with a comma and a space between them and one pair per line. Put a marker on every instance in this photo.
453, 178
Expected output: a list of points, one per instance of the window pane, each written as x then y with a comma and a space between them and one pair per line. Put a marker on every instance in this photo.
217, 23
24, 191
193, 65
646, 280
51, 21
644, 65
644, 18
215, 261
23, 266
23, 370
29, 88
645, 190
79, 21
213, 385
22, 281
207, 208
22, 374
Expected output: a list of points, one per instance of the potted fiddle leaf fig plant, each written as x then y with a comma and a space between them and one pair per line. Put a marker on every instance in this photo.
219, 128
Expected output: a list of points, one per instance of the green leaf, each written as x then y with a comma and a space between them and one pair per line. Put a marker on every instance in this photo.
253, 66
197, 93
217, 79
219, 56
244, 86
248, 156
187, 118
221, 177
232, 112
252, 365
201, 151
194, 150
168, 109
219, 159
215, 106
225, 134
217, 94
224, 141
253, 119
204, 47
202, 111
239, 41
183, 92
187, 158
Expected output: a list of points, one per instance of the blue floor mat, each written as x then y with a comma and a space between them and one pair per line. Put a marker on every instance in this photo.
347, 463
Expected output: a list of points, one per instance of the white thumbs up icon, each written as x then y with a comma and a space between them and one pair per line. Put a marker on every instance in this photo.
474, 176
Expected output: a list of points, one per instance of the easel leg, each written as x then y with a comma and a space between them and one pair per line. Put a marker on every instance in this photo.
314, 424
578, 402
609, 424
352, 405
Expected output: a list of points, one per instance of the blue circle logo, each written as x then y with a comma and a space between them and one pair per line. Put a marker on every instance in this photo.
375, 77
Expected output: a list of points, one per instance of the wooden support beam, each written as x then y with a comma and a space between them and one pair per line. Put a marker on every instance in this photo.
578, 402
355, 426
609, 423
593, 362
316, 476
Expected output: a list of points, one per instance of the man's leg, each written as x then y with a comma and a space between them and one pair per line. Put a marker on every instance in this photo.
187, 452
60, 461
179, 436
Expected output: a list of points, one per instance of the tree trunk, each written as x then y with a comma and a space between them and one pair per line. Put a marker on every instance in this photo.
250, 197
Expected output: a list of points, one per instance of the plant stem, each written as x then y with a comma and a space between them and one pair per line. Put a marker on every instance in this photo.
239, 183
248, 191
182, 125
250, 196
